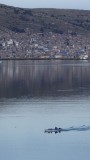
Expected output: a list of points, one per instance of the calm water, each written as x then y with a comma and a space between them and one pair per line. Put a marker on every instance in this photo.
36, 95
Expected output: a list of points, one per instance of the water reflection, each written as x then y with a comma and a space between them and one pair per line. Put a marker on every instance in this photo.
44, 78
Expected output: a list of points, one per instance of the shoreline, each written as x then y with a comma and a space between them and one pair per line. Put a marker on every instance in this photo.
43, 59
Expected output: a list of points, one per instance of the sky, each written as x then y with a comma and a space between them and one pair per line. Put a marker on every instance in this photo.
62, 4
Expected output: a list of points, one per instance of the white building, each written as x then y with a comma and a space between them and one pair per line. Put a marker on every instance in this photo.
9, 42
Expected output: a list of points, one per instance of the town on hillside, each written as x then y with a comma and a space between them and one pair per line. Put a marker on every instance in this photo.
47, 45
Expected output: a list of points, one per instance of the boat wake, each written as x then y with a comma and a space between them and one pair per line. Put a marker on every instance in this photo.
59, 130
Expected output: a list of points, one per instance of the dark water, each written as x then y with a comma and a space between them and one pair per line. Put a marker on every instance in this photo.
41, 79
36, 95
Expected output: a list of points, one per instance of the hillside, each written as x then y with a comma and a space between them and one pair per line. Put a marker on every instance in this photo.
43, 20
44, 33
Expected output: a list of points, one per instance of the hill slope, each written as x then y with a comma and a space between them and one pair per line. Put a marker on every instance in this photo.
44, 33
43, 20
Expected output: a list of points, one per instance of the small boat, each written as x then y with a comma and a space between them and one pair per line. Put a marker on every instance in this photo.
55, 130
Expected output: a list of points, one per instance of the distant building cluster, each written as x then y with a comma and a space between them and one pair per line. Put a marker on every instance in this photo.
44, 46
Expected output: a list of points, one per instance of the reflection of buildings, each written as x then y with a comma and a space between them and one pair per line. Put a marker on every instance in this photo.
41, 78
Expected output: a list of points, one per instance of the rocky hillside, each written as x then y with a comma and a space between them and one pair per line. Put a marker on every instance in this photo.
43, 20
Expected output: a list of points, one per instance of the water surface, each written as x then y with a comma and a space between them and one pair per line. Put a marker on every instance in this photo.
36, 95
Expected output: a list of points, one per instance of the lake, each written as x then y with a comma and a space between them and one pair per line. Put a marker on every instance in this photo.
37, 95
